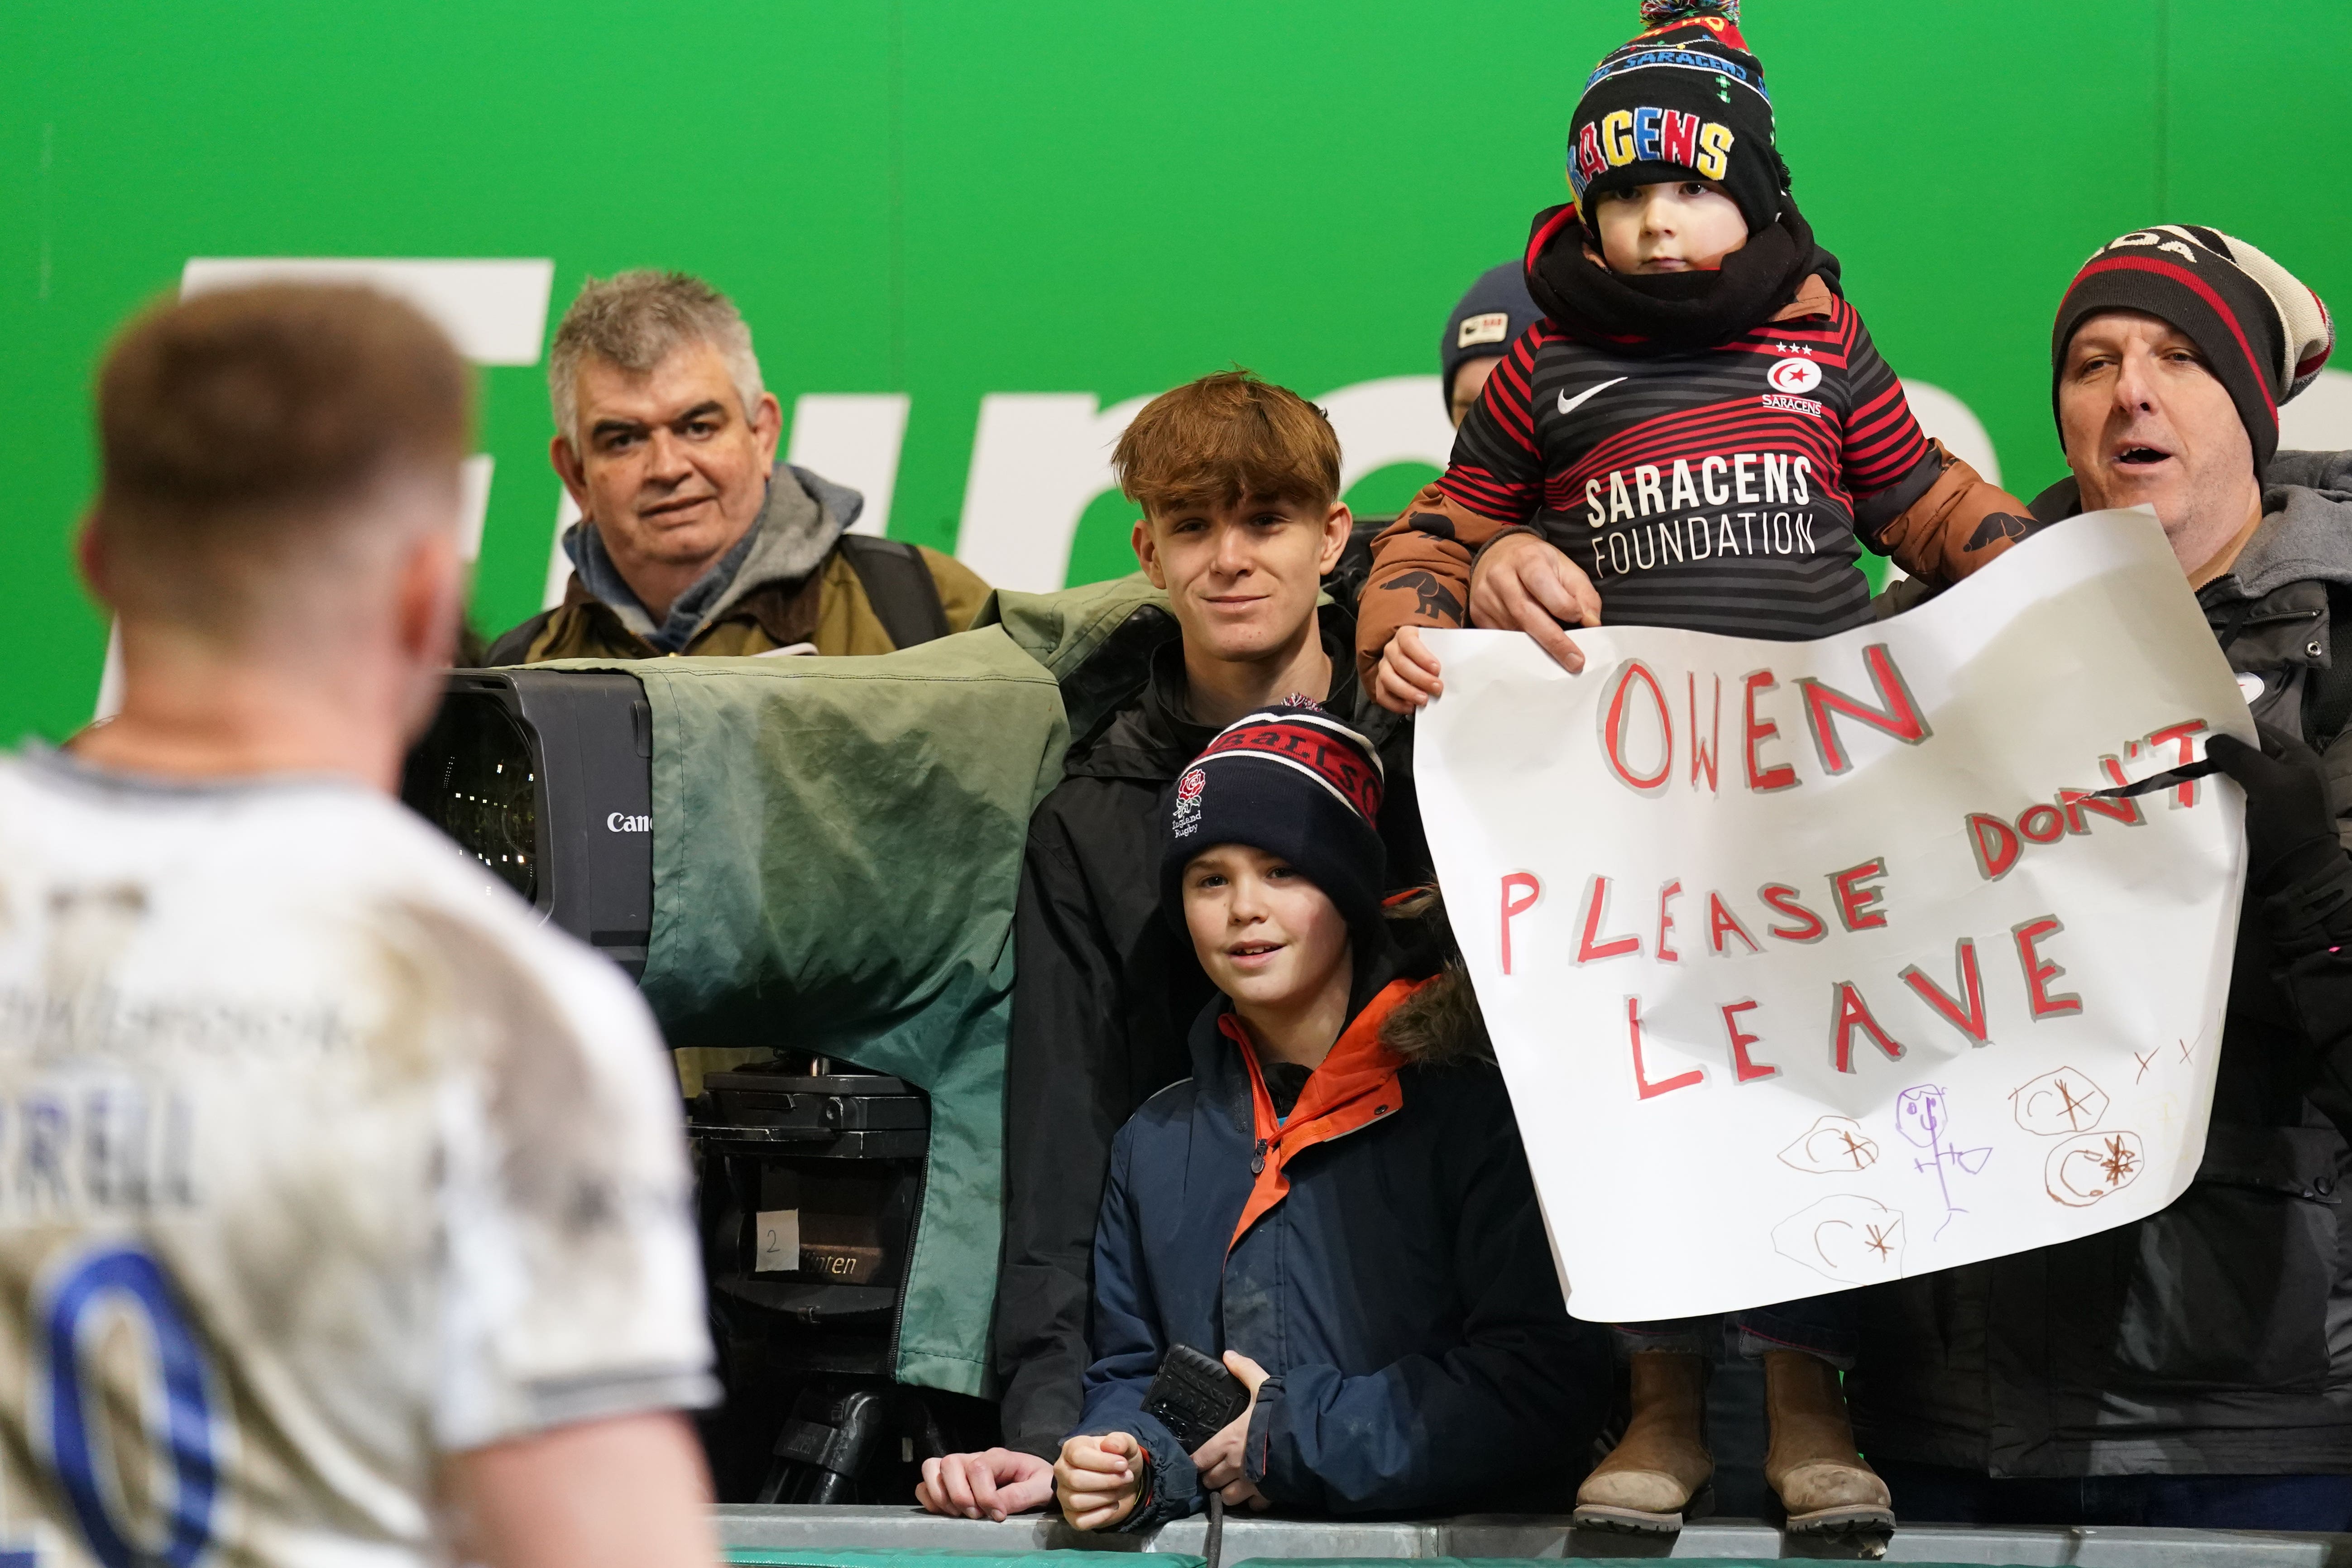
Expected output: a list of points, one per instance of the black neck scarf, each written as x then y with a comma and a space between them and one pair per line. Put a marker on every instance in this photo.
1673, 312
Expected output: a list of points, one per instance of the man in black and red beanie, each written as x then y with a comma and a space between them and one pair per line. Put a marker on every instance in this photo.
2191, 1368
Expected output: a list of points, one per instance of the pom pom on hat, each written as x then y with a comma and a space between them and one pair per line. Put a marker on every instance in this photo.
1686, 97
1665, 13
2310, 336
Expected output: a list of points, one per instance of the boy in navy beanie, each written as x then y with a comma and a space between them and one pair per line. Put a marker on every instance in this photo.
1336, 1200
1307, 789
1699, 433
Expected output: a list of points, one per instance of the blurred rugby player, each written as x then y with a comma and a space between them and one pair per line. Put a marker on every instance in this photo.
342, 1205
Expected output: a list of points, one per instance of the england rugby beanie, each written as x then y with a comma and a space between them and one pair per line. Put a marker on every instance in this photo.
1295, 781
1686, 97
1486, 322
2262, 333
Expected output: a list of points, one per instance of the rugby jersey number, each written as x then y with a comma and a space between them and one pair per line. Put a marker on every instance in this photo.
107, 1279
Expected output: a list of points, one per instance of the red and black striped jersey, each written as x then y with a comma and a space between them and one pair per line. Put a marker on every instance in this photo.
1728, 490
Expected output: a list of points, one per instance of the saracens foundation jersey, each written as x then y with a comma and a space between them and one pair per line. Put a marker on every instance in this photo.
1714, 491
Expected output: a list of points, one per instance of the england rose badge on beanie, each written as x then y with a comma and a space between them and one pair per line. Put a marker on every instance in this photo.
1685, 95
1297, 783
2264, 336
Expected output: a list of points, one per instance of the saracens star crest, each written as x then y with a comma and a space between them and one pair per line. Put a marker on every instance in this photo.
1794, 375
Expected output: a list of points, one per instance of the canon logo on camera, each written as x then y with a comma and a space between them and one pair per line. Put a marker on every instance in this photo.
616, 823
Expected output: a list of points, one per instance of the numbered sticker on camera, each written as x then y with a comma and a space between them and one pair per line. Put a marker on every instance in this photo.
777, 1246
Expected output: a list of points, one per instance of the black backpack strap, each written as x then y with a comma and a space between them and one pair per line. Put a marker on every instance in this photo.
898, 585
2329, 707
515, 646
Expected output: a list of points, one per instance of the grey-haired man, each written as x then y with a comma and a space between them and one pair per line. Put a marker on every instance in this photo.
693, 537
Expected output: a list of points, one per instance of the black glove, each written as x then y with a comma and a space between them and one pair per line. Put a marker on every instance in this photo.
2290, 826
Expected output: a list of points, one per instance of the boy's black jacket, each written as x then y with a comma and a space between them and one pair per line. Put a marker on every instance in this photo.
1102, 991
1402, 1295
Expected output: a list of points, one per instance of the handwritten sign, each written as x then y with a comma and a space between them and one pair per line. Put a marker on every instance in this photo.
1817, 964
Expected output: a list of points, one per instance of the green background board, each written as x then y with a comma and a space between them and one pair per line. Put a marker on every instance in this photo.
950, 200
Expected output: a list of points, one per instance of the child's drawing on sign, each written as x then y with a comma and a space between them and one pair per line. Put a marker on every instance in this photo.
2081, 1171
1853, 1240
2058, 1103
1923, 1115
1830, 1144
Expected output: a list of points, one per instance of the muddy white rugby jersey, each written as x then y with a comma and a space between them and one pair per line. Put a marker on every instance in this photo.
318, 1160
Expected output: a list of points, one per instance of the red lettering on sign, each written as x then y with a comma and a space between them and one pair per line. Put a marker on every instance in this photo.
1849, 1012
1996, 844
1641, 1083
1722, 922
2182, 794
1756, 732
1745, 1069
1522, 882
1967, 1015
1592, 947
1897, 714
1857, 905
1705, 753
2040, 971
2179, 734
2041, 824
2078, 804
1666, 895
1613, 730
1782, 899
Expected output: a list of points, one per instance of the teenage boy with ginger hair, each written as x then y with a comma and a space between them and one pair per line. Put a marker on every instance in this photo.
1238, 482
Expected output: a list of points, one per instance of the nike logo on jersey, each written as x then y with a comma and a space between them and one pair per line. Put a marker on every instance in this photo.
1567, 405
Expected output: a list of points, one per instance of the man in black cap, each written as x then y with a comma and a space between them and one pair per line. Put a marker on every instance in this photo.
1485, 322
2193, 1369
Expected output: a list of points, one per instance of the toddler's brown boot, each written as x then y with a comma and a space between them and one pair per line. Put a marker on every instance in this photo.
1827, 1486
1650, 1481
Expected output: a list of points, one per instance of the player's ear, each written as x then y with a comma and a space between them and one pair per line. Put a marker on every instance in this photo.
90, 556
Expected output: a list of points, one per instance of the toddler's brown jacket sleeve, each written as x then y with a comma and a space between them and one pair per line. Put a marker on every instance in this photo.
1421, 573
1958, 523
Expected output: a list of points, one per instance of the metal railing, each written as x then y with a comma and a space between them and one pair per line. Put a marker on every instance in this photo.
823, 1530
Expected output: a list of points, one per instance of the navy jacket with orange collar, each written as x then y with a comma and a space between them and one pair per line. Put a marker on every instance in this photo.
1400, 1292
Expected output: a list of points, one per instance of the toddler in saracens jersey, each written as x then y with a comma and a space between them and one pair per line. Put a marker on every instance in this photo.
1699, 433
